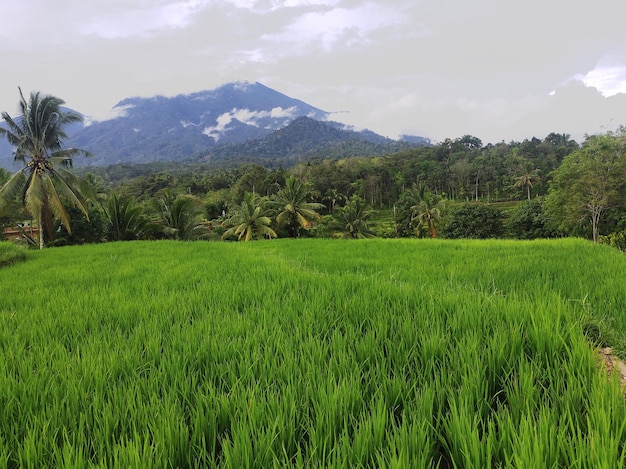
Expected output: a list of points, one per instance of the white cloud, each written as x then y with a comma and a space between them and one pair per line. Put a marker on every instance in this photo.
248, 117
115, 113
141, 19
324, 29
266, 6
609, 80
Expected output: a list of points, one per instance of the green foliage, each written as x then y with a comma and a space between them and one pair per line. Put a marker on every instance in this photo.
11, 253
312, 353
479, 221
84, 231
426, 214
294, 211
529, 221
181, 217
404, 214
249, 220
589, 186
326, 226
126, 219
616, 240
355, 219
4, 176
527, 180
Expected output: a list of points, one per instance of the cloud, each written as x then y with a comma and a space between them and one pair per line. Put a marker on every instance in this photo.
437, 69
115, 113
246, 116
265, 6
326, 29
609, 80
142, 19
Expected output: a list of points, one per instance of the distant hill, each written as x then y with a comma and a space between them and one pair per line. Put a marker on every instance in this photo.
305, 138
238, 121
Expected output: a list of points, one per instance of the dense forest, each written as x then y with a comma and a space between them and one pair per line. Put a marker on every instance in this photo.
458, 188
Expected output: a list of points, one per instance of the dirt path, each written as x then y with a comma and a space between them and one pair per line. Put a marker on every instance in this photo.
612, 364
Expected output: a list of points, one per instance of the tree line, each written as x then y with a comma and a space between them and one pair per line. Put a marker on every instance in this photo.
456, 188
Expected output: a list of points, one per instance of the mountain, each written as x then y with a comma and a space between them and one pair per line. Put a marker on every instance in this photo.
305, 138
239, 120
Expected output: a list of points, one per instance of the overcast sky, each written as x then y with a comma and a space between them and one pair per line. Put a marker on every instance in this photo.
495, 69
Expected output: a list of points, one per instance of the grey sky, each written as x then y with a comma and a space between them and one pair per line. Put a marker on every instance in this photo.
496, 69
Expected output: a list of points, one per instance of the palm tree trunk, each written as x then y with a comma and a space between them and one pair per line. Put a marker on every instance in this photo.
40, 221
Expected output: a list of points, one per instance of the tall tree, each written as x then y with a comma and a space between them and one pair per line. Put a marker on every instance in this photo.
590, 183
44, 183
294, 210
426, 213
333, 196
528, 179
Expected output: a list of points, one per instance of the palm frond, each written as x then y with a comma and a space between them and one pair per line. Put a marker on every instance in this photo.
77, 184
34, 195
55, 203
13, 187
73, 194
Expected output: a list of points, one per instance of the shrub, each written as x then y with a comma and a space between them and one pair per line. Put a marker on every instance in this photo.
616, 240
529, 221
472, 220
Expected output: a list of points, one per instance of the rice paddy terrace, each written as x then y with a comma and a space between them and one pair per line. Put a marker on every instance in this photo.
313, 353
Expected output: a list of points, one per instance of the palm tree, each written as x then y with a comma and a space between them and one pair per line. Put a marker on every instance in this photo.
333, 196
250, 219
355, 218
527, 180
125, 217
427, 211
181, 217
44, 183
293, 209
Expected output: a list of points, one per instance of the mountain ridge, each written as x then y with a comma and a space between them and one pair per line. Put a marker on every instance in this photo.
237, 118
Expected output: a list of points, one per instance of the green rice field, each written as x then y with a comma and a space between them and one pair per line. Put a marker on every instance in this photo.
313, 354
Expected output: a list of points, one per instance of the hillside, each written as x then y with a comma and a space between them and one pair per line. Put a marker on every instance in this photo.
305, 138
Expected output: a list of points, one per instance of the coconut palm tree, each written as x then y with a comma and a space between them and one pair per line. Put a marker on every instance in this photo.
354, 216
44, 184
293, 209
181, 216
527, 180
126, 220
333, 196
427, 211
250, 219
